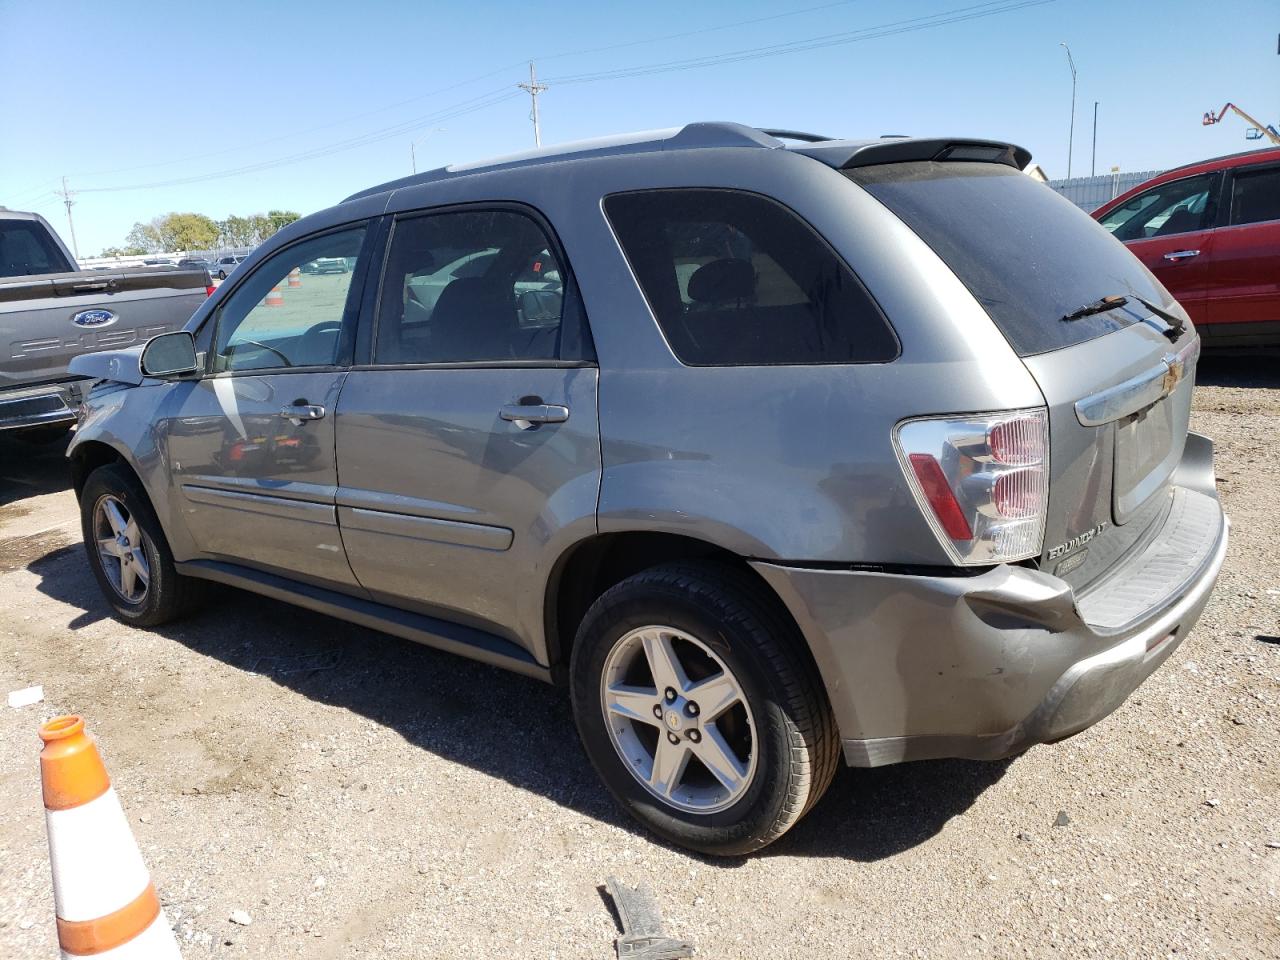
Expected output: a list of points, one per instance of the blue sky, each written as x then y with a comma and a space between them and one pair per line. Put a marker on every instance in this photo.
118, 94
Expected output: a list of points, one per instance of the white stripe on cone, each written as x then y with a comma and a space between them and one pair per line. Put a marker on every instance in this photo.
97, 868
154, 943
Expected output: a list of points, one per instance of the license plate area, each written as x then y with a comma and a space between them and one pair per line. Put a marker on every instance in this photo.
1148, 445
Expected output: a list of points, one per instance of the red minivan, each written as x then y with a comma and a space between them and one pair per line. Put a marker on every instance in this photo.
1210, 232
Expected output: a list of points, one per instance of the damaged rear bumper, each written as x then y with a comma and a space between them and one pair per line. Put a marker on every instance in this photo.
982, 667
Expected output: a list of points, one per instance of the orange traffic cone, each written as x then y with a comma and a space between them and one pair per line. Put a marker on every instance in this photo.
295, 277
105, 901
275, 298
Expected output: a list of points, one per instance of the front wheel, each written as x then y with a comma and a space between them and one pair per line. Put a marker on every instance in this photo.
699, 710
128, 553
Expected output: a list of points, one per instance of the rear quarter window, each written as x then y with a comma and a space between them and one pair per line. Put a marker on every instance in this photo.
1028, 255
737, 279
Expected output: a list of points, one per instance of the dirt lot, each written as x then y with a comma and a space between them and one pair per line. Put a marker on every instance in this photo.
360, 796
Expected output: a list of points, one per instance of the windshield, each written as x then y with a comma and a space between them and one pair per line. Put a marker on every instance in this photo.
26, 249
1028, 255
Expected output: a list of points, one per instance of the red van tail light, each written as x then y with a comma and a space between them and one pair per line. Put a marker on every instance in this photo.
982, 481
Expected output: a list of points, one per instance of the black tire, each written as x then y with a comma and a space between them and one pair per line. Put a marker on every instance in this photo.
796, 745
168, 595
222, 274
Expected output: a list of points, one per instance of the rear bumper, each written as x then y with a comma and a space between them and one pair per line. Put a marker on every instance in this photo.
43, 406
982, 667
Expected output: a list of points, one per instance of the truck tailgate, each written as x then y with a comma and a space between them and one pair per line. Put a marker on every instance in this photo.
47, 320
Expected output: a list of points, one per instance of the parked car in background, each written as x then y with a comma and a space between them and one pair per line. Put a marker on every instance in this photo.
772, 455
52, 311
326, 265
195, 263
158, 262
225, 265
1210, 232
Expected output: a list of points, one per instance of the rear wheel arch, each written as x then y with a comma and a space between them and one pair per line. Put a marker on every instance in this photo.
591, 566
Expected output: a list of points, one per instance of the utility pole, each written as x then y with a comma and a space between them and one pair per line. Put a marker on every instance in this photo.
66, 198
1093, 162
413, 157
1071, 134
533, 88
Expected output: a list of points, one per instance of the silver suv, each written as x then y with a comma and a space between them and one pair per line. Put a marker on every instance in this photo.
773, 454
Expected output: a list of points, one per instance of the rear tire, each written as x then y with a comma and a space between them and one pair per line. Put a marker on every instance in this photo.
776, 746
128, 552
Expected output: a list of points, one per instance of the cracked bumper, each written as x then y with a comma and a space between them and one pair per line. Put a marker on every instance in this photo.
983, 667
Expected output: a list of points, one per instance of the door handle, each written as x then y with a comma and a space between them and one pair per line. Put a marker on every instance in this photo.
297, 412
1181, 254
525, 415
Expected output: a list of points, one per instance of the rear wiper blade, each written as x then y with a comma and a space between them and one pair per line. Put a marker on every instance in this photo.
1098, 306
1175, 325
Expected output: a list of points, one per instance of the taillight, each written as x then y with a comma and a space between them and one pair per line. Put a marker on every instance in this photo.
208, 289
982, 481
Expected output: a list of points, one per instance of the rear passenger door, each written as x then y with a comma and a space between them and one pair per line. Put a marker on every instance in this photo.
1244, 271
467, 440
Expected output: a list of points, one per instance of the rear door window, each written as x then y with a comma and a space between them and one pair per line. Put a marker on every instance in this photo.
481, 286
1028, 255
1255, 196
1180, 206
737, 279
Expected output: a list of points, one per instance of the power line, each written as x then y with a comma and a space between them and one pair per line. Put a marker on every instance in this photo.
958, 15
463, 83
534, 87
476, 103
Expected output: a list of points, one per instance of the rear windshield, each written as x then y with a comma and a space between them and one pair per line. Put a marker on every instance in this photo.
26, 250
1029, 256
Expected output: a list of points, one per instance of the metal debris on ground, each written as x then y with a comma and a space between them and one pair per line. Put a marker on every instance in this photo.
26, 696
642, 934
306, 663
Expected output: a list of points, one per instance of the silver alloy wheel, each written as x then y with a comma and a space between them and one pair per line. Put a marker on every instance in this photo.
120, 549
691, 742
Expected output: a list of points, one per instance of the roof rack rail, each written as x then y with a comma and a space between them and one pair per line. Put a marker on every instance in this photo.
691, 136
796, 135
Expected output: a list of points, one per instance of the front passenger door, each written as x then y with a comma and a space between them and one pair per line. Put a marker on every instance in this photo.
1170, 229
251, 444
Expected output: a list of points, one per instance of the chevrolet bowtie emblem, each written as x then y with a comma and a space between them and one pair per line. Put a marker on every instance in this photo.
1175, 372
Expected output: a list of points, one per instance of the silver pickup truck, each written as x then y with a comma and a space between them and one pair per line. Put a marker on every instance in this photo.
51, 311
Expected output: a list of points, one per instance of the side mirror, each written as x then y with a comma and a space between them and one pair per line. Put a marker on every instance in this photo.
169, 355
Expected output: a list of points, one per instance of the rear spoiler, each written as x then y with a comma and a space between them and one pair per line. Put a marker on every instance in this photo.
849, 154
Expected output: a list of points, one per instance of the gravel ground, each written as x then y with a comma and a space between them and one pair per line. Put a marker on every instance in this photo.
360, 796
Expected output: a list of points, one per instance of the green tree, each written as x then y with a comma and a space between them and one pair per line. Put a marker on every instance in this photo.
122, 252
145, 237
186, 231
279, 219
236, 231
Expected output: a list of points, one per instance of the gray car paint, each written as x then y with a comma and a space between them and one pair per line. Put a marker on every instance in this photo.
790, 467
